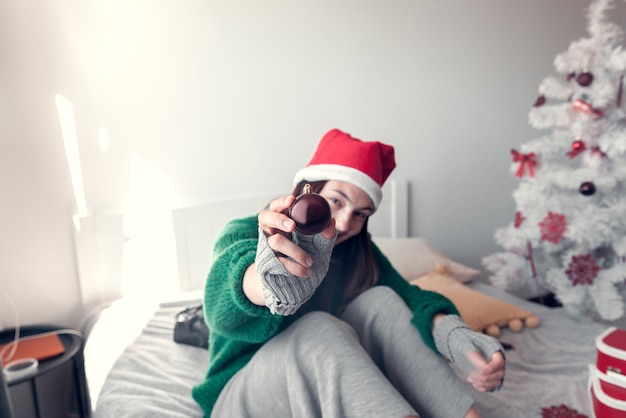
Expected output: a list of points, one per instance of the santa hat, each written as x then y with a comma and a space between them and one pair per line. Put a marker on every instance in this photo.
341, 157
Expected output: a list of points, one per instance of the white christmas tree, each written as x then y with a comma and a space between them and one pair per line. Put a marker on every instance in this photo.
568, 236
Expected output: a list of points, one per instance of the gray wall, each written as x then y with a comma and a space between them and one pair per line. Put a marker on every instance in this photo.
222, 98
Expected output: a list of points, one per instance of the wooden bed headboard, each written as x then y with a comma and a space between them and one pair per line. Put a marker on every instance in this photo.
102, 245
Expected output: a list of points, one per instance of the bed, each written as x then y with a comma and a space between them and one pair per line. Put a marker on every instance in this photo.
135, 368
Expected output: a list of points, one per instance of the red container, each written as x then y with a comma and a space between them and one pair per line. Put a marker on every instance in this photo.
607, 393
611, 350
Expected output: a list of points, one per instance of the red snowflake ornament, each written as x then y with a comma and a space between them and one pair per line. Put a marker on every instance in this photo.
561, 411
553, 227
582, 270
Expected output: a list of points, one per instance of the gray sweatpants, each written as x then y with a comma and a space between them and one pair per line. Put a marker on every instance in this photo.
370, 363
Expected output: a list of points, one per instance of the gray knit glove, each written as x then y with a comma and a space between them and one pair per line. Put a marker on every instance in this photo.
455, 341
283, 292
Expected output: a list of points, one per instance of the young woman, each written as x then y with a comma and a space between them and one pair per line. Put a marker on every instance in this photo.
322, 325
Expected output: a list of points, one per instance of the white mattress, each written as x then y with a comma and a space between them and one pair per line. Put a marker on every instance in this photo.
141, 371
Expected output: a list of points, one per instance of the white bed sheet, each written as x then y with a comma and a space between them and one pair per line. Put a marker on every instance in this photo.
153, 376
547, 365
112, 329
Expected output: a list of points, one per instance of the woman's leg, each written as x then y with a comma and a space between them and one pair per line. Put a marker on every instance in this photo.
382, 321
315, 368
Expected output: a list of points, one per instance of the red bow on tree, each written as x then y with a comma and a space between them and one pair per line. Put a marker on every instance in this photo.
596, 150
578, 146
526, 160
582, 106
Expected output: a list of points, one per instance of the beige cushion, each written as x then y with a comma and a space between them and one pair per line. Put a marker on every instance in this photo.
414, 257
480, 312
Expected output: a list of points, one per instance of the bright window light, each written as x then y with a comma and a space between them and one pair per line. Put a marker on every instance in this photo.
150, 259
67, 121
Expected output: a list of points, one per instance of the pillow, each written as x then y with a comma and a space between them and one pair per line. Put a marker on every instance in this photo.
414, 257
480, 312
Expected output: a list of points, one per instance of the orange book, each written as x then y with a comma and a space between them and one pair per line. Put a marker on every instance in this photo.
38, 347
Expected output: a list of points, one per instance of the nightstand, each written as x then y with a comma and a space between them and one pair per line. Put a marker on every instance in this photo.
58, 388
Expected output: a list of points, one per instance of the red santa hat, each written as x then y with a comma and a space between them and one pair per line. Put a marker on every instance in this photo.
341, 157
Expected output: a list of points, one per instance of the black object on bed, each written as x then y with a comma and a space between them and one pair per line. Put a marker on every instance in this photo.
190, 327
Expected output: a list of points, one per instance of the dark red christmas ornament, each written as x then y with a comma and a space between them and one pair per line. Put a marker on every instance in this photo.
585, 78
587, 188
541, 100
310, 212
578, 146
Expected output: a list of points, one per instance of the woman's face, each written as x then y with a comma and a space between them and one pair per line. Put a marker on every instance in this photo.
350, 207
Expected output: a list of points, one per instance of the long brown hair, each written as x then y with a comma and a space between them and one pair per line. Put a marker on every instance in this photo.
352, 269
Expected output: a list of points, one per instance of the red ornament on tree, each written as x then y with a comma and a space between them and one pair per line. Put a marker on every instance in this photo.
578, 146
582, 106
587, 188
619, 91
531, 258
526, 161
596, 150
582, 270
519, 219
541, 100
585, 78
553, 227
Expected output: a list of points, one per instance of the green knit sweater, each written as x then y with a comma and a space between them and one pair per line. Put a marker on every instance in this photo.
238, 328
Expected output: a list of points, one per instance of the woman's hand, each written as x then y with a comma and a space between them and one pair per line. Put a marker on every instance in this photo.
277, 227
289, 266
487, 375
479, 356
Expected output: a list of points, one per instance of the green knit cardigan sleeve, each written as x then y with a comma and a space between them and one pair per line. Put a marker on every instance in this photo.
424, 304
228, 312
